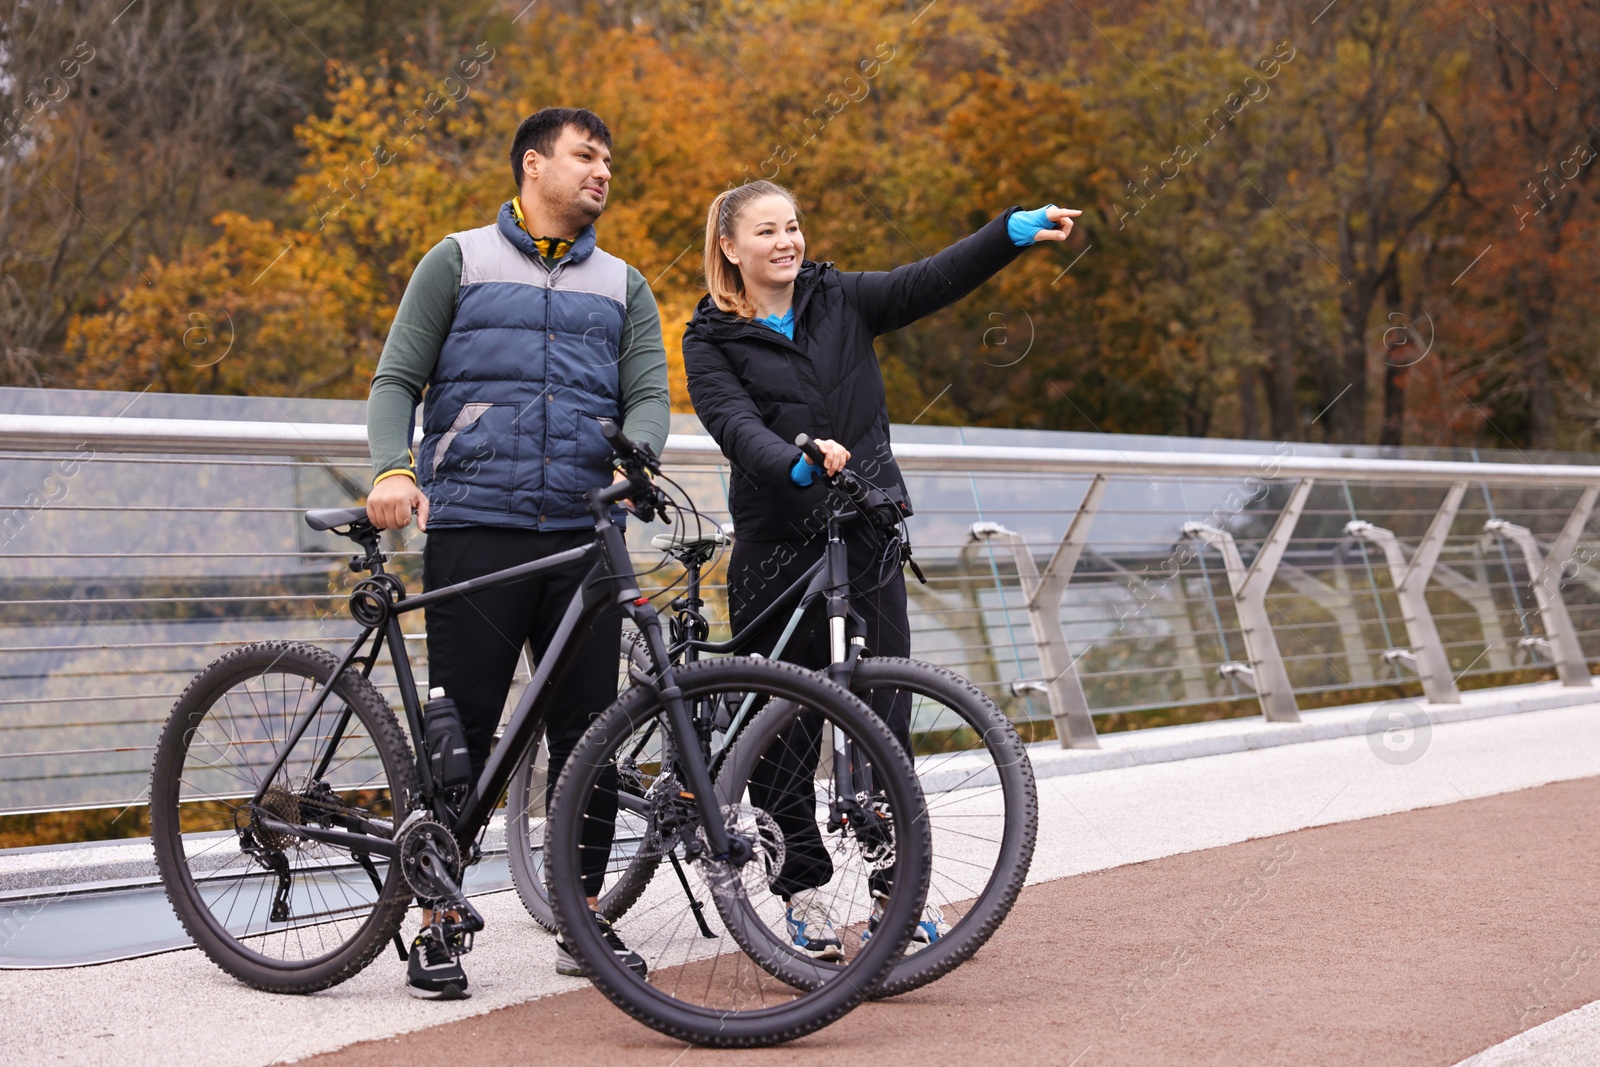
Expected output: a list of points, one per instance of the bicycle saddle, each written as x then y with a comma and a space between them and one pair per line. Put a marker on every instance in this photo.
329, 518
676, 542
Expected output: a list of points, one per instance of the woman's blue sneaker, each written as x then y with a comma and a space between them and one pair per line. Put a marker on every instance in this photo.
930, 929
811, 926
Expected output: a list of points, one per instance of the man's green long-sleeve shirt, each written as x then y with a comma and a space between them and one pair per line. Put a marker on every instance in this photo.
422, 322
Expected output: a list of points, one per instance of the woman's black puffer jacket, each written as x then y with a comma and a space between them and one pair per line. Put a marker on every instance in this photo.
755, 390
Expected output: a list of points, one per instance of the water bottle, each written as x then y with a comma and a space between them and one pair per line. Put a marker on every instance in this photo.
446, 739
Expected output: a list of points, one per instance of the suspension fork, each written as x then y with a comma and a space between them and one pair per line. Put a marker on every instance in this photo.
692, 765
696, 775
850, 780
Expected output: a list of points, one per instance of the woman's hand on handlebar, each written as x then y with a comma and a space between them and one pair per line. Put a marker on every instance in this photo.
834, 456
392, 501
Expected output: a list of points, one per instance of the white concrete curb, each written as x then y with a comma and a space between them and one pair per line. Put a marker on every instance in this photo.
1163, 744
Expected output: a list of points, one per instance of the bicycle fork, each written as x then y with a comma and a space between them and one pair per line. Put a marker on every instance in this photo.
853, 807
695, 775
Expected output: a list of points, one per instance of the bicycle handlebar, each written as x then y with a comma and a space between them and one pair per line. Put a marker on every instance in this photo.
883, 513
638, 461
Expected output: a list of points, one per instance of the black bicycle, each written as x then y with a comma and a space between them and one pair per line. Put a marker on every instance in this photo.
294, 821
973, 768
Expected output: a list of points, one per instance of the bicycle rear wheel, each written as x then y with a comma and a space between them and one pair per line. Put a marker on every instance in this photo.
275, 910
705, 989
983, 809
632, 862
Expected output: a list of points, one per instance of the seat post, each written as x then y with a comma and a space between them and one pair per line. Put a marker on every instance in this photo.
371, 559
691, 592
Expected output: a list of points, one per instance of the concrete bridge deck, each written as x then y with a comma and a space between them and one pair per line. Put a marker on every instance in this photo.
1430, 904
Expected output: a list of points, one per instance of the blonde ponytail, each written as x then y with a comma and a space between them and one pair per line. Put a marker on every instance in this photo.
722, 276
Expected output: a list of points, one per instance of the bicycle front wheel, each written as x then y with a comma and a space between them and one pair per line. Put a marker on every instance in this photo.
701, 986
276, 910
982, 811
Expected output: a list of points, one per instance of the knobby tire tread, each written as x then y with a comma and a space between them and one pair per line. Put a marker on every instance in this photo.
921, 968
609, 977
374, 712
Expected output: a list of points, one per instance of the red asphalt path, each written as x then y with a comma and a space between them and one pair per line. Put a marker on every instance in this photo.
1417, 938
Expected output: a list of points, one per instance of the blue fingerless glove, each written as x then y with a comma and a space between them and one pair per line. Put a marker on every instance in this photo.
800, 473
1022, 225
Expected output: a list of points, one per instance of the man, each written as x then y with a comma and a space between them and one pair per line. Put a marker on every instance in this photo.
522, 332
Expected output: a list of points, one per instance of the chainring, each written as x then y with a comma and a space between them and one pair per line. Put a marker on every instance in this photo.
414, 834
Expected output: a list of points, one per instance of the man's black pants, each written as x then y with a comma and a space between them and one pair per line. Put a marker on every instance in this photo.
474, 641
783, 780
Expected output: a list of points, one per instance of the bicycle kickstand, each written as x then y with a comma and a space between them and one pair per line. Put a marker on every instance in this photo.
695, 904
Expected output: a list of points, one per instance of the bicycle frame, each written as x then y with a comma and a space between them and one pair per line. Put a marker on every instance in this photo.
827, 579
609, 563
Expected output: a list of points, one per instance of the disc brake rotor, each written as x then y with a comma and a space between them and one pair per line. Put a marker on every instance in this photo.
769, 852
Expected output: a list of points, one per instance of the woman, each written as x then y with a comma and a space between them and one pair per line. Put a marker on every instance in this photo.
783, 346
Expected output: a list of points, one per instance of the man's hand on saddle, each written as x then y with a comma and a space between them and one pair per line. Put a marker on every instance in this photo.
392, 502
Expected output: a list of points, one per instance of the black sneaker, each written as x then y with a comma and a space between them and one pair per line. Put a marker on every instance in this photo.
566, 964
433, 972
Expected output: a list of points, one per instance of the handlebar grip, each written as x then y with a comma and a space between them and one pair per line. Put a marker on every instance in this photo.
846, 482
812, 452
618, 440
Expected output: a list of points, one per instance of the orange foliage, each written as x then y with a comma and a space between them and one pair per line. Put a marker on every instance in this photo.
1234, 289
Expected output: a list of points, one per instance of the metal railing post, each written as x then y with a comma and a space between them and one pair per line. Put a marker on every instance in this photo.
1410, 586
1064, 689
1544, 575
1266, 671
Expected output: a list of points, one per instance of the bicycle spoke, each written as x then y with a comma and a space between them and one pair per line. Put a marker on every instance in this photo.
251, 894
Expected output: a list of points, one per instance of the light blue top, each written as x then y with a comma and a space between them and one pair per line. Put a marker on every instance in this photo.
784, 323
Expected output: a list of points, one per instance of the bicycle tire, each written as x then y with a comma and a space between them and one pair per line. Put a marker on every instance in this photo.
525, 830
1020, 813
955, 817
181, 811
725, 1025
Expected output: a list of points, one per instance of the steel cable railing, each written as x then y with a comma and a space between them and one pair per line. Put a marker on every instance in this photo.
136, 550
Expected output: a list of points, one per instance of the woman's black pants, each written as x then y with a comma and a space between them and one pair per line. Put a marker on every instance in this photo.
783, 780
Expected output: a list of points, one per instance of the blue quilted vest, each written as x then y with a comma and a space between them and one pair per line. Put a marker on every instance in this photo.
508, 420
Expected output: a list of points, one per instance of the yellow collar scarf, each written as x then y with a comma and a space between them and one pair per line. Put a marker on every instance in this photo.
551, 248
